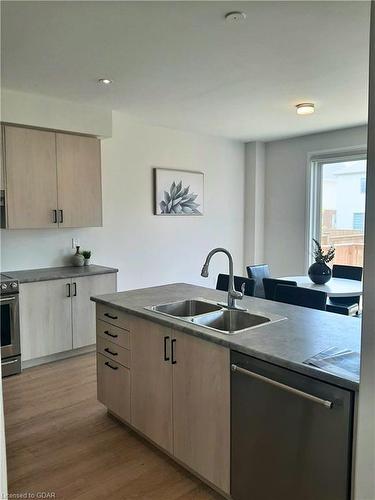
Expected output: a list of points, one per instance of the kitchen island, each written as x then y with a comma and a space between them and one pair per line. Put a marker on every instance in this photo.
186, 387
288, 343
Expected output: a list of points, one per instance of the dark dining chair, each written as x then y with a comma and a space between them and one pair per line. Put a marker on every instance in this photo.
223, 283
258, 272
270, 284
348, 306
298, 296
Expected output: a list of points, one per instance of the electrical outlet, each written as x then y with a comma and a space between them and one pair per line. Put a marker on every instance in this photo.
75, 242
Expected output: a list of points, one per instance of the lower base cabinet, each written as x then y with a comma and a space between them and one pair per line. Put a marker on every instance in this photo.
201, 408
58, 315
114, 386
180, 395
45, 318
152, 382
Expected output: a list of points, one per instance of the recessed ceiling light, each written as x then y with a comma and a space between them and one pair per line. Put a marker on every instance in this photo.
235, 17
305, 108
105, 81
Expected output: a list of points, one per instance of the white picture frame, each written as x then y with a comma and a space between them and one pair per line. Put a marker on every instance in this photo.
178, 192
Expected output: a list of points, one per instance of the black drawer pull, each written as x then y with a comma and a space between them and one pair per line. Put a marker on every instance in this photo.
166, 357
173, 343
110, 366
110, 316
111, 334
110, 352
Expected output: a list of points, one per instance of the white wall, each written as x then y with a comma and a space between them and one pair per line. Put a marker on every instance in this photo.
149, 250
365, 450
285, 194
47, 112
255, 166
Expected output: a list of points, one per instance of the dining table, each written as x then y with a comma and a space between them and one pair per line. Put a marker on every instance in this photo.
335, 287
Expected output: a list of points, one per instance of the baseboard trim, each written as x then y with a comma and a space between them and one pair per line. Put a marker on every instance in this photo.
58, 356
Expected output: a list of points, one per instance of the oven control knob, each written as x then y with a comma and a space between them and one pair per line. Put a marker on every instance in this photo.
4, 286
14, 284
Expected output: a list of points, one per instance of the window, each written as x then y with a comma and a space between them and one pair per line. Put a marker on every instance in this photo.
363, 185
359, 221
337, 206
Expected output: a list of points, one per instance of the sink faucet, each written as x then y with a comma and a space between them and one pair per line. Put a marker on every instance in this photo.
232, 293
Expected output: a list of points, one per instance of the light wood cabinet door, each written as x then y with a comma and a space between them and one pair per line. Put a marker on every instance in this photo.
201, 408
2, 178
151, 394
31, 179
45, 318
83, 309
79, 180
114, 386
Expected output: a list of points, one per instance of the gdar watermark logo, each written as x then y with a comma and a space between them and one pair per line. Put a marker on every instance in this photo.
29, 495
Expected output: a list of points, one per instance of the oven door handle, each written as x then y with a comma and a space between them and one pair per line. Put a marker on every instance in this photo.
7, 299
3, 363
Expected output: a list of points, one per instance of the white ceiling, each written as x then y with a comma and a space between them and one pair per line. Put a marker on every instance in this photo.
178, 64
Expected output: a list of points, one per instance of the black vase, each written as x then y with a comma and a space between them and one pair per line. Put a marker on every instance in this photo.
320, 273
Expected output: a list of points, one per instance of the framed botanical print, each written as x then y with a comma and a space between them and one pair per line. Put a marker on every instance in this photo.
178, 192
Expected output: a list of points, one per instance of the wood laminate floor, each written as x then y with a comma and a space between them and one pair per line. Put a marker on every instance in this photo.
61, 440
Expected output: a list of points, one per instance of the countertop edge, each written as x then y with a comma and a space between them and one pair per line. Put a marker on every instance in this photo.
66, 272
182, 326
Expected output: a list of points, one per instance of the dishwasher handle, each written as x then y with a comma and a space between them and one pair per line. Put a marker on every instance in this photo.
297, 392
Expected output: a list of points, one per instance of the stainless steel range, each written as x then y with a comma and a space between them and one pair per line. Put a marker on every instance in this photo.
10, 326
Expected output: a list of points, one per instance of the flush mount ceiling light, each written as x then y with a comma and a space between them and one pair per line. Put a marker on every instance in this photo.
105, 81
305, 108
235, 17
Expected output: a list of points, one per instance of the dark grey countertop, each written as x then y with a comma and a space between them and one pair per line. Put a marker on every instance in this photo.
286, 343
55, 273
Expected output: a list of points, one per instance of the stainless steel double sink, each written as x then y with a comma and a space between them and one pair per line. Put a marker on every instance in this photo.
208, 314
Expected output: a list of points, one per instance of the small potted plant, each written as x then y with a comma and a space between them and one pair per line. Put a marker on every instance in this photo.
319, 272
86, 255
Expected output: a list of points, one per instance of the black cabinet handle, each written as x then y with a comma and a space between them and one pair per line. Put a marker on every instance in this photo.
173, 343
68, 290
54, 216
110, 334
75, 289
110, 352
61, 216
110, 366
166, 357
109, 316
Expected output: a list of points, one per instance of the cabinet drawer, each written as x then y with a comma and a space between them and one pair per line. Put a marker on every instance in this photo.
114, 386
113, 334
113, 316
113, 351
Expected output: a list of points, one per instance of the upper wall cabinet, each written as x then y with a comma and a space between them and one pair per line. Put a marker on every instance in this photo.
79, 180
31, 179
51, 179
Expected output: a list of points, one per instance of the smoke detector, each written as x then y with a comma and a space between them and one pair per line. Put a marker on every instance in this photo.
235, 17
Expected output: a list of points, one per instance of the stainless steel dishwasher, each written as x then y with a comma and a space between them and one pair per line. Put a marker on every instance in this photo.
291, 434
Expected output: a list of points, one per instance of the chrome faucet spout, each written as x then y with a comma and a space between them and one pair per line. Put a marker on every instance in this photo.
232, 293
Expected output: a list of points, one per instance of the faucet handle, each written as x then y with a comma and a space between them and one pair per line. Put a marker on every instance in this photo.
243, 286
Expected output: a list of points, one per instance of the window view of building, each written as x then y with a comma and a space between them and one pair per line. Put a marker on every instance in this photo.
343, 209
